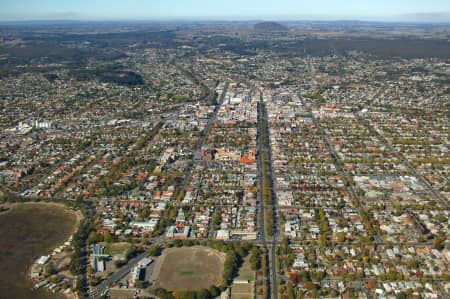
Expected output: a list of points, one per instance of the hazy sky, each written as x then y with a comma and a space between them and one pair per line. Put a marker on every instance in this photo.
388, 10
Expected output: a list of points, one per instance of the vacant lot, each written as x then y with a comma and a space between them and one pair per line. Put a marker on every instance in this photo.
116, 248
189, 268
244, 291
121, 294
246, 272
241, 291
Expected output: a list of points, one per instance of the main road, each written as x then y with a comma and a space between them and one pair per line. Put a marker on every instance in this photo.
262, 115
260, 216
198, 149
103, 287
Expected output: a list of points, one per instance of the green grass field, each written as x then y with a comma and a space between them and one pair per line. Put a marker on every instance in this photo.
117, 248
187, 273
246, 272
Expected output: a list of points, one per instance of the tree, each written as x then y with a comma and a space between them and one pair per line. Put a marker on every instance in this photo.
214, 291
290, 290
438, 244
177, 243
187, 242
255, 258
107, 237
163, 294
289, 260
203, 294
50, 268
76, 264
93, 238
323, 240
185, 294
310, 286
285, 243
155, 251
139, 284
304, 276
239, 250
79, 286
246, 245
230, 266
131, 253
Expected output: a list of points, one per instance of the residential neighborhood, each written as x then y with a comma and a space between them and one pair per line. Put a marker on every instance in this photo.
320, 176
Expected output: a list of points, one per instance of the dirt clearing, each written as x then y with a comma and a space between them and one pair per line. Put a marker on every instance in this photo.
189, 268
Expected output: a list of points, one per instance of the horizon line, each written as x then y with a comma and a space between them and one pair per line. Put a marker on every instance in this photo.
224, 19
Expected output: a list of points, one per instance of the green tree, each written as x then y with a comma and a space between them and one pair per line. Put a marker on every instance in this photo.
255, 258
155, 251
177, 243
438, 243
93, 238
50, 268
214, 291
131, 253
290, 290
203, 294
107, 237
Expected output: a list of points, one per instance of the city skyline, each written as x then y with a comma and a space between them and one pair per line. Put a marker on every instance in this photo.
403, 11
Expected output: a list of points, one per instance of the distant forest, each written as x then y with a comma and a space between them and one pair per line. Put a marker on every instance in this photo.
382, 48
76, 51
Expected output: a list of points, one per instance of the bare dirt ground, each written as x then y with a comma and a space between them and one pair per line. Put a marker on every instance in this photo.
29, 231
11, 205
188, 268
242, 291
121, 294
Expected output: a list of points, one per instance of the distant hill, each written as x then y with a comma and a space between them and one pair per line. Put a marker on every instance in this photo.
270, 26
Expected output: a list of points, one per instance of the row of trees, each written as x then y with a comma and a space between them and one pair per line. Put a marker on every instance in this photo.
77, 263
167, 219
148, 136
267, 179
211, 292
78, 260
256, 256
